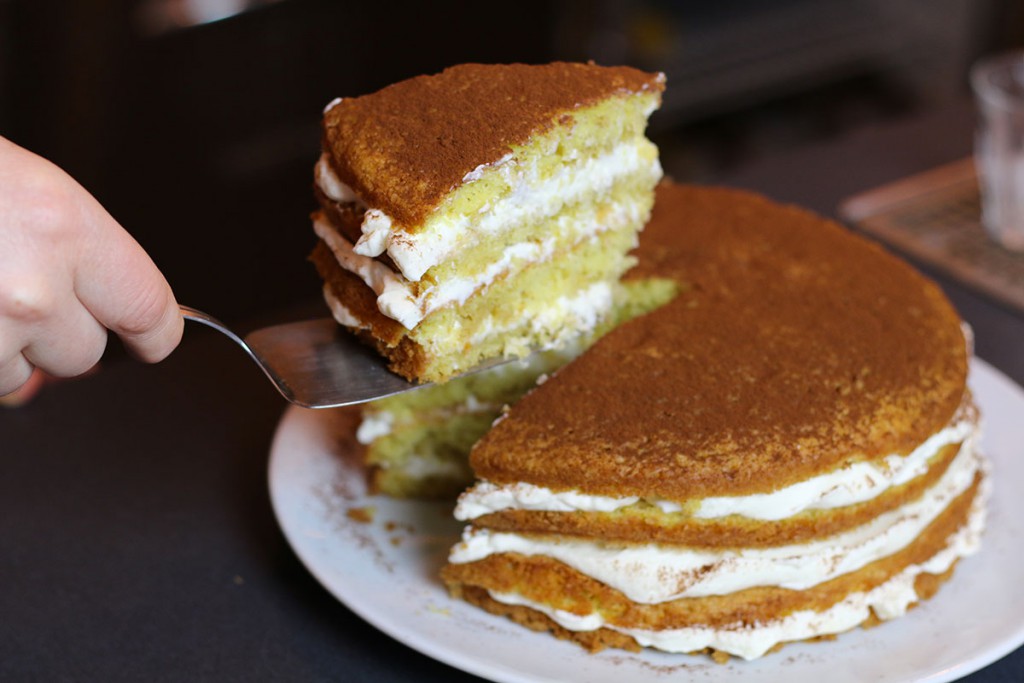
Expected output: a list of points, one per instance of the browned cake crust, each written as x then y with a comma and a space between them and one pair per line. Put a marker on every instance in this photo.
358, 298
794, 348
549, 582
403, 148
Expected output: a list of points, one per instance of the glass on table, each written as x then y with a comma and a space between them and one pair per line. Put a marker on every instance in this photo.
998, 84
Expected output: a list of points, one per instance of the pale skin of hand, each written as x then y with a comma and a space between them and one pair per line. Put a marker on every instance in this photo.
68, 274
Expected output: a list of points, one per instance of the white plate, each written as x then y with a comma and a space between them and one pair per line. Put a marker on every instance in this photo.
385, 570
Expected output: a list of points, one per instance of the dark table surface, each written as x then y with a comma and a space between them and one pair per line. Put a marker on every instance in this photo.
137, 541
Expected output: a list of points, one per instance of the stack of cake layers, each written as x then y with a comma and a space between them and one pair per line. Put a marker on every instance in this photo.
486, 211
785, 451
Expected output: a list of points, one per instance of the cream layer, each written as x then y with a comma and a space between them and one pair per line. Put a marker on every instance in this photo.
395, 294
855, 483
531, 197
650, 573
749, 641
562, 321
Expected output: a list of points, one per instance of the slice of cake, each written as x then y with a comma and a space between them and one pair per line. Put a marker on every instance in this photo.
485, 211
785, 451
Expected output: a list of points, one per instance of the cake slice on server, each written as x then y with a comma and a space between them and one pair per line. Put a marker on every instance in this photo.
786, 450
485, 211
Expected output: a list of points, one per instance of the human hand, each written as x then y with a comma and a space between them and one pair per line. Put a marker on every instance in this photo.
69, 273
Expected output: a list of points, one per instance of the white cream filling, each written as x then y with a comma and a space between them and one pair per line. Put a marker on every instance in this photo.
651, 573
332, 104
395, 296
855, 483
486, 497
890, 599
584, 309
561, 321
530, 198
375, 425
330, 184
478, 172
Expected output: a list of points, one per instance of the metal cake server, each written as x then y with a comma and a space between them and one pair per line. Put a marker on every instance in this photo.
314, 363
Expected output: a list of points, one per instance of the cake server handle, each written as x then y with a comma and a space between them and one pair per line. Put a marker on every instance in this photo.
313, 363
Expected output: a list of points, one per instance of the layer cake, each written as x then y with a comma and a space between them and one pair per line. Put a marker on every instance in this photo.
785, 451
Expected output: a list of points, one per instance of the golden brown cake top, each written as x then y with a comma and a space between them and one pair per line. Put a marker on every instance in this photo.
403, 148
794, 347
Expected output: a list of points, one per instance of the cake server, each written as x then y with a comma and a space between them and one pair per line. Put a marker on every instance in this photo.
314, 363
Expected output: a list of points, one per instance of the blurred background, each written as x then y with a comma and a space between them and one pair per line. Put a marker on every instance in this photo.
196, 122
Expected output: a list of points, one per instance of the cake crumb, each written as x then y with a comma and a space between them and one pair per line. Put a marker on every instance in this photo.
363, 515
